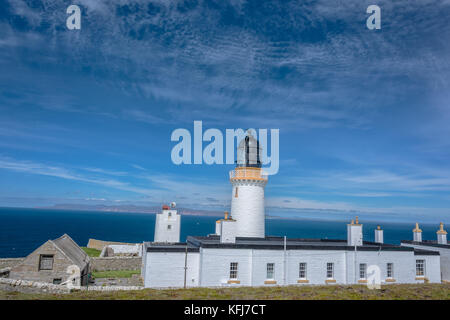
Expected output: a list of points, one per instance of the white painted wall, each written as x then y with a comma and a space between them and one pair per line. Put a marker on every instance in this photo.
432, 268
260, 259
316, 265
379, 237
442, 238
248, 208
228, 231
211, 266
215, 267
218, 227
166, 269
354, 235
444, 258
417, 236
162, 231
403, 263
124, 249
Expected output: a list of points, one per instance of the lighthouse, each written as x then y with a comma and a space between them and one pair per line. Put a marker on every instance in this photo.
248, 181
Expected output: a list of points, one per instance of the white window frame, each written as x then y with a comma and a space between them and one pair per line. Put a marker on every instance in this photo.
390, 270
234, 270
420, 262
302, 270
362, 271
330, 268
270, 268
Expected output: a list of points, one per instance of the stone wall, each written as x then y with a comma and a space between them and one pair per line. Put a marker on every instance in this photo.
135, 280
116, 263
10, 262
26, 286
100, 244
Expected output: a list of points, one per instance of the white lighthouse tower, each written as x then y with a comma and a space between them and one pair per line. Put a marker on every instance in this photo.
248, 181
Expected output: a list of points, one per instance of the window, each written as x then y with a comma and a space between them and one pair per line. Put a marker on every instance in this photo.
236, 192
302, 270
57, 281
270, 270
330, 270
233, 270
390, 270
420, 267
46, 262
169, 227
170, 214
362, 270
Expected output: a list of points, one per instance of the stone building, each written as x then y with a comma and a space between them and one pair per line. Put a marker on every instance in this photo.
56, 261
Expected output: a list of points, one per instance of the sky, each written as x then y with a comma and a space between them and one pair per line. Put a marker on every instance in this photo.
364, 115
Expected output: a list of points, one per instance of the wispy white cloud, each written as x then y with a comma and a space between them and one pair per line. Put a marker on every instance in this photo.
184, 56
32, 167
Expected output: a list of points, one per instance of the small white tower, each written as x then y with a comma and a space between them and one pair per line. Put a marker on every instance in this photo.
227, 229
441, 234
417, 233
379, 235
354, 233
248, 181
167, 226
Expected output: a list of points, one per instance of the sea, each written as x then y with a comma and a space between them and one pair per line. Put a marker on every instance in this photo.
24, 230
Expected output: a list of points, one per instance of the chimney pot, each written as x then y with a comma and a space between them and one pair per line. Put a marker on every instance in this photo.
441, 234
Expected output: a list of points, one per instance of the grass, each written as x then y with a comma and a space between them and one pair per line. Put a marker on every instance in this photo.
334, 292
115, 273
91, 252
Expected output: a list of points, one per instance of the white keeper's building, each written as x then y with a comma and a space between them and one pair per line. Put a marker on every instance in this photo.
240, 254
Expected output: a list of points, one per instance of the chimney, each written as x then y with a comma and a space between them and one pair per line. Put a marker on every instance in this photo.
218, 226
220, 221
378, 235
228, 231
417, 233
354, 233
441, 234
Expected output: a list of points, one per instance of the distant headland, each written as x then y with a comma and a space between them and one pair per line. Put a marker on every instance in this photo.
129, 208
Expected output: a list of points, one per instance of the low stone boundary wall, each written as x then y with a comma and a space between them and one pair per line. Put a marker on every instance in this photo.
10, 262
26, 286
116, 263
112, 288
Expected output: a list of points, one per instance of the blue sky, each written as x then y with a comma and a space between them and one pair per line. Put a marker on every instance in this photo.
86, 115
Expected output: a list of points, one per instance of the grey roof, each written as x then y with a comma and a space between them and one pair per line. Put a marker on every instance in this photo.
429, 243
271, 243
169, 247
72, 250
420, 252
277, 243
194, 244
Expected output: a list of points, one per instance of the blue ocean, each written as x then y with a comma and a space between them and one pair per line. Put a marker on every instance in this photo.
23, 230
